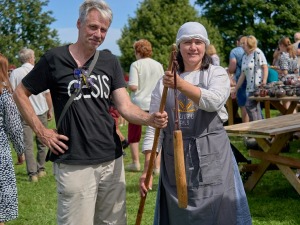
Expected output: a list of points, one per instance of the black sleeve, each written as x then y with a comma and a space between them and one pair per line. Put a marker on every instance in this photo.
299, 45
38, 79
119, 80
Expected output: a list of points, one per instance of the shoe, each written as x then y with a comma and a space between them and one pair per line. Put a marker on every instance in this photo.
156, 171
133, 167
251, 143
42, 173
298, 173
125, 144
296, 135
33, 178
21, 160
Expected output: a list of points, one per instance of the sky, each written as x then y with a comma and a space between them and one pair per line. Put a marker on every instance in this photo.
66, 14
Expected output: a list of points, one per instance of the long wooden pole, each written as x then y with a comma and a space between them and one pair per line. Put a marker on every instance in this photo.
155, 143
180, 174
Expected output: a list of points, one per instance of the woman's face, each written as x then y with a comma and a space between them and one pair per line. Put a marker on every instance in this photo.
282, 48
192, 52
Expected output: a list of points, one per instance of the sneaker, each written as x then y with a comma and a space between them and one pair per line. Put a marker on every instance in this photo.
251, 143
33, 178
133, 167
21, 160
42, 173
298, 173
156, 171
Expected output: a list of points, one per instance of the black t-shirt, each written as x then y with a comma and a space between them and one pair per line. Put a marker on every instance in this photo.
87, 122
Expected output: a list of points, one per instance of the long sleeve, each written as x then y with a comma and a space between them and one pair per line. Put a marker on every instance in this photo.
215, 89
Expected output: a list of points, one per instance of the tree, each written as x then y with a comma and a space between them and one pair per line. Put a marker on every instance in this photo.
267, 20
158, 21
25, 24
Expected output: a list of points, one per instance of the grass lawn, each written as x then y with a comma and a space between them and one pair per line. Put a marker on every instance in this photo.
272, 202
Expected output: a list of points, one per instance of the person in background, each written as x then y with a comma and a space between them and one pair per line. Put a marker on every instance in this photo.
10, 69
42, 105
255, 71
143, 76
276, 56
116, 115
234, 67
21, 158
10, 130
296, 46
272, 75
288, 62
212, 52
85, 149
215, 191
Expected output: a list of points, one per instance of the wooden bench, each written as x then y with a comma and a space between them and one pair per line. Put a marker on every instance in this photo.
278, 104
271, 135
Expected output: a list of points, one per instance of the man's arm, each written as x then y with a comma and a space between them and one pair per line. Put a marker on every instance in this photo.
47, 136
136, 115
232, 66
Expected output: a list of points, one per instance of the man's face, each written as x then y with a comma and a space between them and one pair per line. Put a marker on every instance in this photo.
93, 30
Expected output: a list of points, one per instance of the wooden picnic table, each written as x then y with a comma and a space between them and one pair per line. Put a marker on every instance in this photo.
278, 104
272, 135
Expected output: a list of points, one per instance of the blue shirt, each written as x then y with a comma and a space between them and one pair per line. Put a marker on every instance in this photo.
237, 54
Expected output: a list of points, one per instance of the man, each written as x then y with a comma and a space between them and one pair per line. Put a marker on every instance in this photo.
297, 46
86, 150
143, 76
235, 63
42, 106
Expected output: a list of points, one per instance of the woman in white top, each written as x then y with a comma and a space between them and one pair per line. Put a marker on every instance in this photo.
143, 76
255, 70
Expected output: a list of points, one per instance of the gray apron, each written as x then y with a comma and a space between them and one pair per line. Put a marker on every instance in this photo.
215, 192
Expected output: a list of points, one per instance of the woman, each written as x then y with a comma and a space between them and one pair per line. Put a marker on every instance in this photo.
212, 52
255, 70
288, 61
10, 130
215, 191
143, 76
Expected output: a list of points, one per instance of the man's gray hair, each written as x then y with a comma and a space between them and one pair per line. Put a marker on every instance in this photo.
297, 37
25, 55
99, 5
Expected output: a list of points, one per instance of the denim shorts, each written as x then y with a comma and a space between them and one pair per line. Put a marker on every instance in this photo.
241, 95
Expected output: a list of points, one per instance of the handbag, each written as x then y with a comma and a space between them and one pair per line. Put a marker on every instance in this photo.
73, 96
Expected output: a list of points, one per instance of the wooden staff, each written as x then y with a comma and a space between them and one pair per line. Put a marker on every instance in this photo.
155, 142
179, 155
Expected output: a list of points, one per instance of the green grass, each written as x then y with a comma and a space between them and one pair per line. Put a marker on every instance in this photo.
272, 202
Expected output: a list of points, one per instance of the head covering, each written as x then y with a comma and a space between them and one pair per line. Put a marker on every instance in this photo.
192, 30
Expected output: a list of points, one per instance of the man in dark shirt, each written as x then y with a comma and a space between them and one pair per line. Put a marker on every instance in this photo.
86, 149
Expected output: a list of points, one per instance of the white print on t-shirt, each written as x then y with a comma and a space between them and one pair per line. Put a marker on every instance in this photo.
100, 88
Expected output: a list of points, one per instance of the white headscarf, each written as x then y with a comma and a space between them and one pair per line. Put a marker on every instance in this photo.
192, 30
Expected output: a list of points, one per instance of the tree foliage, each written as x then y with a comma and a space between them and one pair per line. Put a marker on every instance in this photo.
267, 20
158, 21
25, 24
